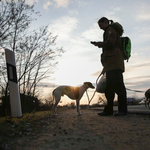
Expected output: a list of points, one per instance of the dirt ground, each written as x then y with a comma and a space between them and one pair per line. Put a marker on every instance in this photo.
68, 131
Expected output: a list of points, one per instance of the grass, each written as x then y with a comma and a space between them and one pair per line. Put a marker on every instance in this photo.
29, 124
25, 125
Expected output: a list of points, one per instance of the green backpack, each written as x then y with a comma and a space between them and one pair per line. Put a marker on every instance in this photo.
126, 47
126, 42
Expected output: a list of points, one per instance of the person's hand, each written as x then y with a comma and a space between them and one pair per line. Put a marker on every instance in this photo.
94, 43
98, 44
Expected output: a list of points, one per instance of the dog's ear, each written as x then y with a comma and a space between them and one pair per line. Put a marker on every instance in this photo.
85, 83
89, 84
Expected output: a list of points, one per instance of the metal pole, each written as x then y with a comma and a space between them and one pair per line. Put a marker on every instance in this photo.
13, 84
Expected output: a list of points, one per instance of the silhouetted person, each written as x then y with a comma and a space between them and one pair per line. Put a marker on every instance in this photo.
113, 62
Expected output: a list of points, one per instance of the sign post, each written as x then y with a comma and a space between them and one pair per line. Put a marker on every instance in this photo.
13, 84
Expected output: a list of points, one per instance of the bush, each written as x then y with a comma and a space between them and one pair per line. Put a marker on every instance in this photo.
28, 104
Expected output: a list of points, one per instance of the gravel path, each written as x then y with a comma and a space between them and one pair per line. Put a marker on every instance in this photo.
68, 131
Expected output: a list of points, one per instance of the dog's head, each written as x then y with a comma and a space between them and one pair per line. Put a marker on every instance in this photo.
89, 85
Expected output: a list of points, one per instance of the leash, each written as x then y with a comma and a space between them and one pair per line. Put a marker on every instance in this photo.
89, 100
134, 90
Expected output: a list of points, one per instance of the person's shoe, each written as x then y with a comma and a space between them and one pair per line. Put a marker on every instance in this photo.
120, 114
104, 114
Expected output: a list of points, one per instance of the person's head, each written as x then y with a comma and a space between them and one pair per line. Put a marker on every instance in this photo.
104, 22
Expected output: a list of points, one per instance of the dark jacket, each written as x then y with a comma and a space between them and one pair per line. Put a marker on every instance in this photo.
112, 56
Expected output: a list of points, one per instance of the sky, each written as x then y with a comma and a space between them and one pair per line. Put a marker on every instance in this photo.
75, 23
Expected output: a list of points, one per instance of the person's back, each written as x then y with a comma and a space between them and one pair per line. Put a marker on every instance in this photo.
112, 57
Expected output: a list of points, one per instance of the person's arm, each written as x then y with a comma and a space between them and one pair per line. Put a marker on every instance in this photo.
111, 38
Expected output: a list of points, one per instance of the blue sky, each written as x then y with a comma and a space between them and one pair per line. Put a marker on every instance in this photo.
75, 22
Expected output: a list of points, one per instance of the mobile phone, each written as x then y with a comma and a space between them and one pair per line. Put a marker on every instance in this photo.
93, 42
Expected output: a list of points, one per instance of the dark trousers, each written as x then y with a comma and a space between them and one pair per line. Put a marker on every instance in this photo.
115, 84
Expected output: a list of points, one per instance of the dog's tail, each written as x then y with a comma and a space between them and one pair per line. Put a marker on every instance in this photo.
53, 97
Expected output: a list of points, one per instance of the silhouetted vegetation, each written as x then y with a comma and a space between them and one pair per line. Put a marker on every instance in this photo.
35, 52
28, 104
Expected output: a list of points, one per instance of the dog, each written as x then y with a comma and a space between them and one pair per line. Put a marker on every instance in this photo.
74, 93
147, 96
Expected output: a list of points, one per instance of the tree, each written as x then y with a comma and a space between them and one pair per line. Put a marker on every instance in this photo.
35, 50
15, 19
36, 59
102, 99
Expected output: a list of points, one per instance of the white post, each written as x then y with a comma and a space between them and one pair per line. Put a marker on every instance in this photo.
13, 84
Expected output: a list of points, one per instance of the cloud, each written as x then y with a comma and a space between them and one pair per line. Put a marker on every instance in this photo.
143, 33
138, 78
83, 3
61, 3
93, 33
46, 4
113, 14
140, 67
73, 12
64, 27
138, 83
143, 12
56, 3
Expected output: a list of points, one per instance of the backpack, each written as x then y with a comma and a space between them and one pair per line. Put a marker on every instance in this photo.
126, 47
126, 42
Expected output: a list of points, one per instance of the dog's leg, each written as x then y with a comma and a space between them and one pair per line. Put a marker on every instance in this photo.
78, 107
54, 109
55, 106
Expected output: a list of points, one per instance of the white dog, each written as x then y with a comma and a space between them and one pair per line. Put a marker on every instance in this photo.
74, 93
